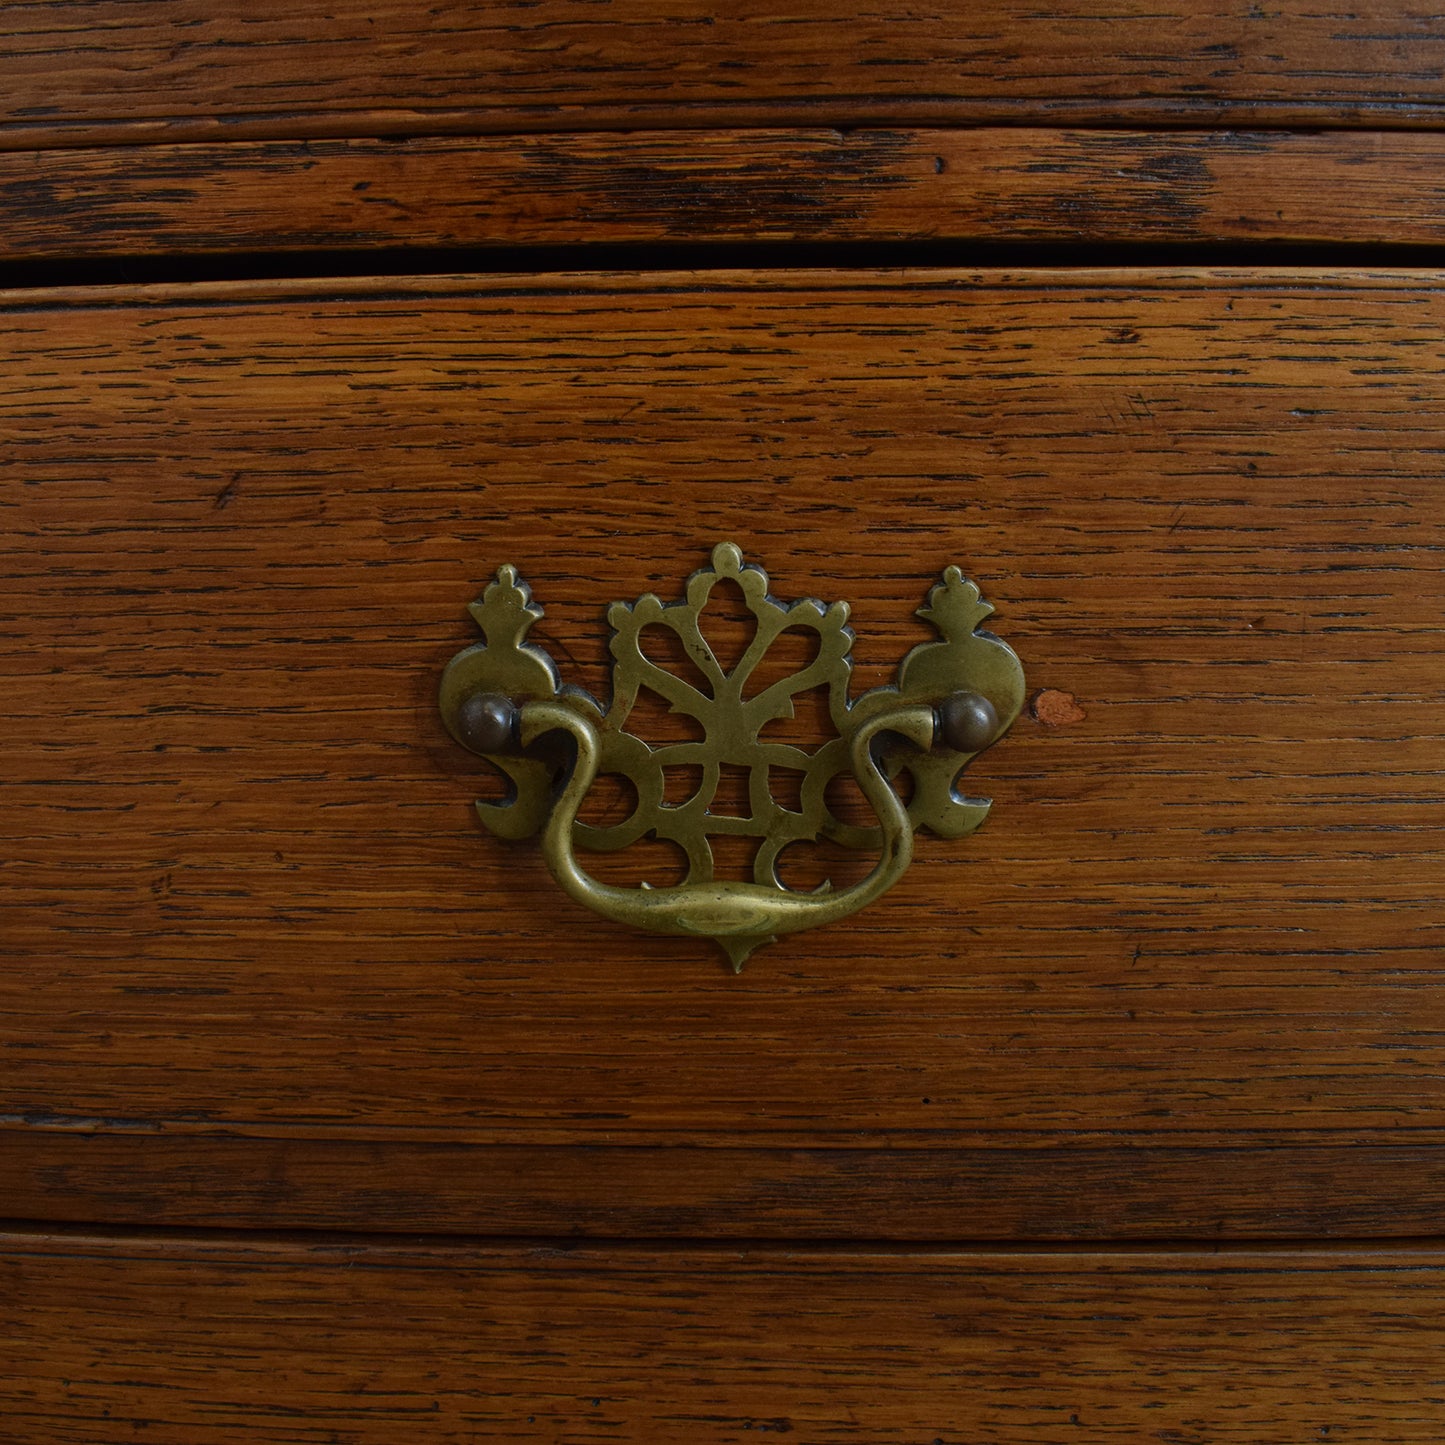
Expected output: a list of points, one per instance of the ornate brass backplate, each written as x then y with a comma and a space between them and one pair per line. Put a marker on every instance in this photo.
953, 697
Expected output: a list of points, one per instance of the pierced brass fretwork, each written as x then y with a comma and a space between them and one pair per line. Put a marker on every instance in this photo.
953, 697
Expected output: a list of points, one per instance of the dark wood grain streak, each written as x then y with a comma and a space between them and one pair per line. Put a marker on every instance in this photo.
1139, 1190
243, 891
268, 1341
819, 185
128, 70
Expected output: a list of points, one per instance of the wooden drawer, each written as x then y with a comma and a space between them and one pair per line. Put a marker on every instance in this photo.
206, 1342
325, 1115
182, 70
264, 970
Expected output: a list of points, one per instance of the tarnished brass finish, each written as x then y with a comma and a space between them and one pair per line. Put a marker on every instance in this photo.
954, 697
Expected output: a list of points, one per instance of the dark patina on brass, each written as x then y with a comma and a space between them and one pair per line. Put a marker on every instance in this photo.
953, 697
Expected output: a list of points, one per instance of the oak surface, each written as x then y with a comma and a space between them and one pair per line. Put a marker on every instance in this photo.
989, 185
259, 969
128, 70
243, 890
1132, 1189
193, 1341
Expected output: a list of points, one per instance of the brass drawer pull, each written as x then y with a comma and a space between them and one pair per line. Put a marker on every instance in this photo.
954, 697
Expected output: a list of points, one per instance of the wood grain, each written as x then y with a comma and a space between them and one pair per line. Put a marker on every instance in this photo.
128, 70
243, 892
987, 185
193, 1341
1133, 1190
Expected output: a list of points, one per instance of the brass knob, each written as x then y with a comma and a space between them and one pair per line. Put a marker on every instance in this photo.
486, 722
967, 722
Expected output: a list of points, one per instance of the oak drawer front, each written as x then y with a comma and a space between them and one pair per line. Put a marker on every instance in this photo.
244, 891
129, 70
195, 1341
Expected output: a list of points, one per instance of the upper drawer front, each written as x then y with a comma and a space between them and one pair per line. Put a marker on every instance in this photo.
680, 188
184, 69
244, 890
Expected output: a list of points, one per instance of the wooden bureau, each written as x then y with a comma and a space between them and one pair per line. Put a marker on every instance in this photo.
327, 1116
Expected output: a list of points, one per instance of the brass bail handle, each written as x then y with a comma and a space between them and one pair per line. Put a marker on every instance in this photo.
953, 697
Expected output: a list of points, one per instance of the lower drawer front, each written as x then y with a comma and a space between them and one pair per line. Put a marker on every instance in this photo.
190, 1342
246, 897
